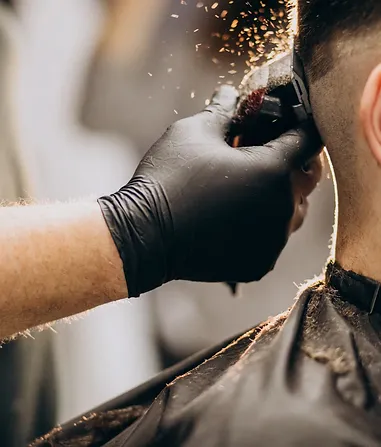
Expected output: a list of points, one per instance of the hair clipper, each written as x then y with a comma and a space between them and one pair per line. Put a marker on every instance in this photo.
274, 98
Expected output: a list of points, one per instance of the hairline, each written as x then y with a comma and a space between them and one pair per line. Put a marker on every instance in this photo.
339, 46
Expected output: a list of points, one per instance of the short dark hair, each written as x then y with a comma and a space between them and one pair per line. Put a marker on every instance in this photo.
321, 20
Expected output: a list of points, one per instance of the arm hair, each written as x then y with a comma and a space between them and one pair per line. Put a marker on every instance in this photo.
55, 261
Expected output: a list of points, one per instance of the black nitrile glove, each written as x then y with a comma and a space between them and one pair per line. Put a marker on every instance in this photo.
200, 210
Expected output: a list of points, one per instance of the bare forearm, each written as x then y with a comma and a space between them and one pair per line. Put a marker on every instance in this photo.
55, 261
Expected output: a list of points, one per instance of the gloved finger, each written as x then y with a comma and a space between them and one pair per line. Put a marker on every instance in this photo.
221, 109
297, 147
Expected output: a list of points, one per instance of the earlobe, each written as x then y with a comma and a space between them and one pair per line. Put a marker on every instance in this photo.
370, 113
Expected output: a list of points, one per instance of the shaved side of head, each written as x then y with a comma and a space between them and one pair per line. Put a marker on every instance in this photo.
339, 43
324, 22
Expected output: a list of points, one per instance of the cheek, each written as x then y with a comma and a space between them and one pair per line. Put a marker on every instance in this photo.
305, 181
300, 214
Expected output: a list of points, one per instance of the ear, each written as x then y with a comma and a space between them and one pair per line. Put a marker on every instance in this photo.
370, 113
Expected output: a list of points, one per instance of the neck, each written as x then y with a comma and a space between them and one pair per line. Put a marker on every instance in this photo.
358, 238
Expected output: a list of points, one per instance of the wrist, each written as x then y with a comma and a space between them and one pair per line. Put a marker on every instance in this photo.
134, 220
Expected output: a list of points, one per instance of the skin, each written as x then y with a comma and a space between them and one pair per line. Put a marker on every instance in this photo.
55, 261
304, 183
347, 109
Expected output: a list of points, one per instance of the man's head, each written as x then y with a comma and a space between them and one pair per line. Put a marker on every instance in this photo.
339, 42
324, 22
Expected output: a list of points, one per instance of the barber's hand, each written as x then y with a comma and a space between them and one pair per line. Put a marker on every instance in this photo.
200, 210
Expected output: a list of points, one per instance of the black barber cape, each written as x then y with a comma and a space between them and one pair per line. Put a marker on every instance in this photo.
309, 377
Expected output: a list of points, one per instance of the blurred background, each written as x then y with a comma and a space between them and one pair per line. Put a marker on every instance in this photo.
86, 88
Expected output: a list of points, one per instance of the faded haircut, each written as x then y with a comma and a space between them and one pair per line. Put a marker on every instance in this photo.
320, 21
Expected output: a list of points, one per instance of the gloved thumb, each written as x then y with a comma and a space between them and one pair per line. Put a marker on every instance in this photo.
298, 146
221, 109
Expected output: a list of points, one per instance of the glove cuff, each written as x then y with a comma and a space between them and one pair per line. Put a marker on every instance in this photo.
132, 219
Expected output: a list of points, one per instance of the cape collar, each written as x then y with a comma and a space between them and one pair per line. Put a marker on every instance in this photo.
362, 292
